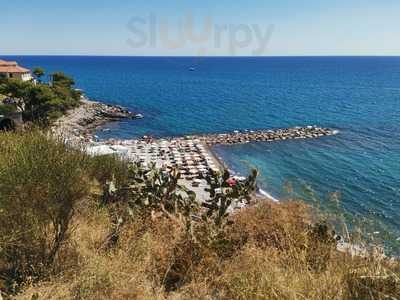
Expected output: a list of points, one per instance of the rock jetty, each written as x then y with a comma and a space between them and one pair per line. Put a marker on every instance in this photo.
242, 137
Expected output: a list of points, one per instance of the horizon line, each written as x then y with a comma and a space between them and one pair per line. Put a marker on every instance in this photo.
199, 56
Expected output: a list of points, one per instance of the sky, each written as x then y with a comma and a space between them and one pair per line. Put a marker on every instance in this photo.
207, 27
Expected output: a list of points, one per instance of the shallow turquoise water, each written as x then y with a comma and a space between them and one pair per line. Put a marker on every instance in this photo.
358, 96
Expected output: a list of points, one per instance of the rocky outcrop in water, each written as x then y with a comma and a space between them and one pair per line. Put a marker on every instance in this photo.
99, 113
80, 122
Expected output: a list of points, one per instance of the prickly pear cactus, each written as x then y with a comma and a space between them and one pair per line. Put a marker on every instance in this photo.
227, 194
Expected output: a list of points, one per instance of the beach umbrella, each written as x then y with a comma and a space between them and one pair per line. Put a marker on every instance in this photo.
231, 181
239, 178
121, 150
100, 150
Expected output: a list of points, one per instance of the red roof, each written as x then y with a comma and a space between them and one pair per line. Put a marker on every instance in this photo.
8, 63
11, 67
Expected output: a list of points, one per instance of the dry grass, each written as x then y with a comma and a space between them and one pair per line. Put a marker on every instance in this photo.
264, 255
268, 251
117, 274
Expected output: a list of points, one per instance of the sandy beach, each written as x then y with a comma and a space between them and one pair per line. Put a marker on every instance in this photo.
191, 155
192, 158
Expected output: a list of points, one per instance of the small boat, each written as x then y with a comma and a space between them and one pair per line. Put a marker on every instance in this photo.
138, 116
192, 69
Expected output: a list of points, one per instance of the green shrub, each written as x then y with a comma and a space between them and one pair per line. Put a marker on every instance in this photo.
41, 181
106, 168
6, 109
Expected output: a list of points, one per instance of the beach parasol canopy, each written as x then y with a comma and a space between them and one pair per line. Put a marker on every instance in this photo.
100, 150
120, 149
231, 181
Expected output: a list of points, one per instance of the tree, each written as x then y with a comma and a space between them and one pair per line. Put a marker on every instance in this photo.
63, 87
38, 72
17, 90
42, 102
60, 79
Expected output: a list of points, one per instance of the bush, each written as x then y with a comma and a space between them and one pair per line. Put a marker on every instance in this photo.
41, 181
107, 168
6, 109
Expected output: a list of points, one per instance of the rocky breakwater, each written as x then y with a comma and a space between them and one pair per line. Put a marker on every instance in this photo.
80, 122
241, 137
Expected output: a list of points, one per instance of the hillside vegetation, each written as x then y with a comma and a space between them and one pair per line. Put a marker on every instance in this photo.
76, 227
40, 102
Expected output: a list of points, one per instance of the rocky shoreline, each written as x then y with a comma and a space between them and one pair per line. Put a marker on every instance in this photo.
242, 137
81, 122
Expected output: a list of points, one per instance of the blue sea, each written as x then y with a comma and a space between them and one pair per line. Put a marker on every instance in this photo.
359, 96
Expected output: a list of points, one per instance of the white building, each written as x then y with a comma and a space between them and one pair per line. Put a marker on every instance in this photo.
10, 69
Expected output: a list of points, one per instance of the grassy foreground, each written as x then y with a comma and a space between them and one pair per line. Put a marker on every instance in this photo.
71, 229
